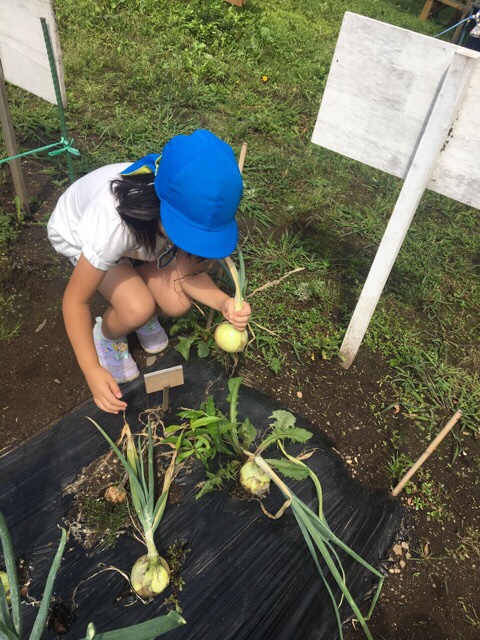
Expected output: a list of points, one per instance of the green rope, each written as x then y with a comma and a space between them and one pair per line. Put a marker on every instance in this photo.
66, 147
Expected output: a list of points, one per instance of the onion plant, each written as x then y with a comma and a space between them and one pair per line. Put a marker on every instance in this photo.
150, 574
226, 336
11, 619
320, 541
256, 473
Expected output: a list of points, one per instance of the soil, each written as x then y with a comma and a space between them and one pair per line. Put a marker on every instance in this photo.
432, 590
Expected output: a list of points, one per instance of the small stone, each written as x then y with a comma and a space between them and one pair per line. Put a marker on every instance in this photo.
391, 570
57, 381
408, 555
150, 360
396, 570
402, 564
405, 545
397, 549
299, 394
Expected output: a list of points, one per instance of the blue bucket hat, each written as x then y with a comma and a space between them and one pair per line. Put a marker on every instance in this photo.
199, 185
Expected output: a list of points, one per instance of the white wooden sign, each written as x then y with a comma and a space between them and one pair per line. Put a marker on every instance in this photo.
381, 89
409, 105
23, 53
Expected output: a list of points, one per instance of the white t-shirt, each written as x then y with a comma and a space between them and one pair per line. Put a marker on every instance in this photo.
86, 221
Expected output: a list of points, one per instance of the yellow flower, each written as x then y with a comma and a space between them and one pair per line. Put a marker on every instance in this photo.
264, 78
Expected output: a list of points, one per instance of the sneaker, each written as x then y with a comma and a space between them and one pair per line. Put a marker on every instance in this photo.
114, 355
152, 336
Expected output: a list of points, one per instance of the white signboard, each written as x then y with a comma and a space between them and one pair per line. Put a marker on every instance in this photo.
382, 86
23, 53
409, 105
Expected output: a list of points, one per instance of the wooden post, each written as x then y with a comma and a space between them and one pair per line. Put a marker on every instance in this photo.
430, 146
12, 147
427, 7
430, 5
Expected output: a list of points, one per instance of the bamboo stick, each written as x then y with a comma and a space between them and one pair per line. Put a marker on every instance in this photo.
428, 451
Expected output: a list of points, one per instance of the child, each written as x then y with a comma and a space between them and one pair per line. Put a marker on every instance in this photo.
137, 234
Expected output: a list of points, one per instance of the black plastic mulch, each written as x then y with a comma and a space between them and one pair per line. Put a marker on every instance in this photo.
246, 576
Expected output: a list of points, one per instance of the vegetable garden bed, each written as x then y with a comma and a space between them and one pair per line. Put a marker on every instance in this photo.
244, 576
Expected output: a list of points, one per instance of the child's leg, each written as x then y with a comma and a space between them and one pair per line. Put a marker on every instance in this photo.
163, 284
132, 304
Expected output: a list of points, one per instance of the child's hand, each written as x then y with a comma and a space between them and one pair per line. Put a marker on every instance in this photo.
105, 390
238, 319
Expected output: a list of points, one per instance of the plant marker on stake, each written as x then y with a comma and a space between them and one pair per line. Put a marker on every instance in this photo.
226, 336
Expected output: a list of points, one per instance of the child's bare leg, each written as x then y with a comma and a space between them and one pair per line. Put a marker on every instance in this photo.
132, 304
164, 286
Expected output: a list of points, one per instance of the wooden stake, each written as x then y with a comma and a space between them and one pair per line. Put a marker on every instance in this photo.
166, 396
12, 147
241, 162
429, 148
428, 451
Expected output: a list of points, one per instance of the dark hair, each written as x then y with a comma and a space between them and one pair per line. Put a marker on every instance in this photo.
138, 206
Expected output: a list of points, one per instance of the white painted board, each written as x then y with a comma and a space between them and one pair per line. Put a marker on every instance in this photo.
23, 53
380, 90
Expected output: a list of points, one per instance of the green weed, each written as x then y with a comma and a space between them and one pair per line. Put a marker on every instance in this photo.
10, 330
105, 520
470, 613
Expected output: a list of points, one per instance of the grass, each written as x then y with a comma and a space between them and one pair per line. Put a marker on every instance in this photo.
178, 66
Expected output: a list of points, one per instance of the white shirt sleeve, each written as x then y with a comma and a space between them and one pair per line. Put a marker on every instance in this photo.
103, 235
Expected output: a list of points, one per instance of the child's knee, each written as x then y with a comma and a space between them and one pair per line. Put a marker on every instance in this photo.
138, 312
178, 308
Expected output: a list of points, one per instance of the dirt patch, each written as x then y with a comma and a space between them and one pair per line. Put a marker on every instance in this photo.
435, 590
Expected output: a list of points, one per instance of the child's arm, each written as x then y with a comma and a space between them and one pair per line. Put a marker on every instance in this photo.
198, 285
82, 286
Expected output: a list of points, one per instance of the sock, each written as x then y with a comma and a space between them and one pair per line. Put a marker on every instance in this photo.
97, 329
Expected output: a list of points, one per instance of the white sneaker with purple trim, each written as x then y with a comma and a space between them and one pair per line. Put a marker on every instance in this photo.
152, 336
114, 355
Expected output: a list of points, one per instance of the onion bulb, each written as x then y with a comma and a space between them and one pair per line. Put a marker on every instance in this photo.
150, 576
230, 339
254, 479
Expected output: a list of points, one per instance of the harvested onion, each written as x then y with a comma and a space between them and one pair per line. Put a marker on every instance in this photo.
150, 576
254, 479
230, 339
226, 336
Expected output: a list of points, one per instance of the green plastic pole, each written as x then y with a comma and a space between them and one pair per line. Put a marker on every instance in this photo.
56, 85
